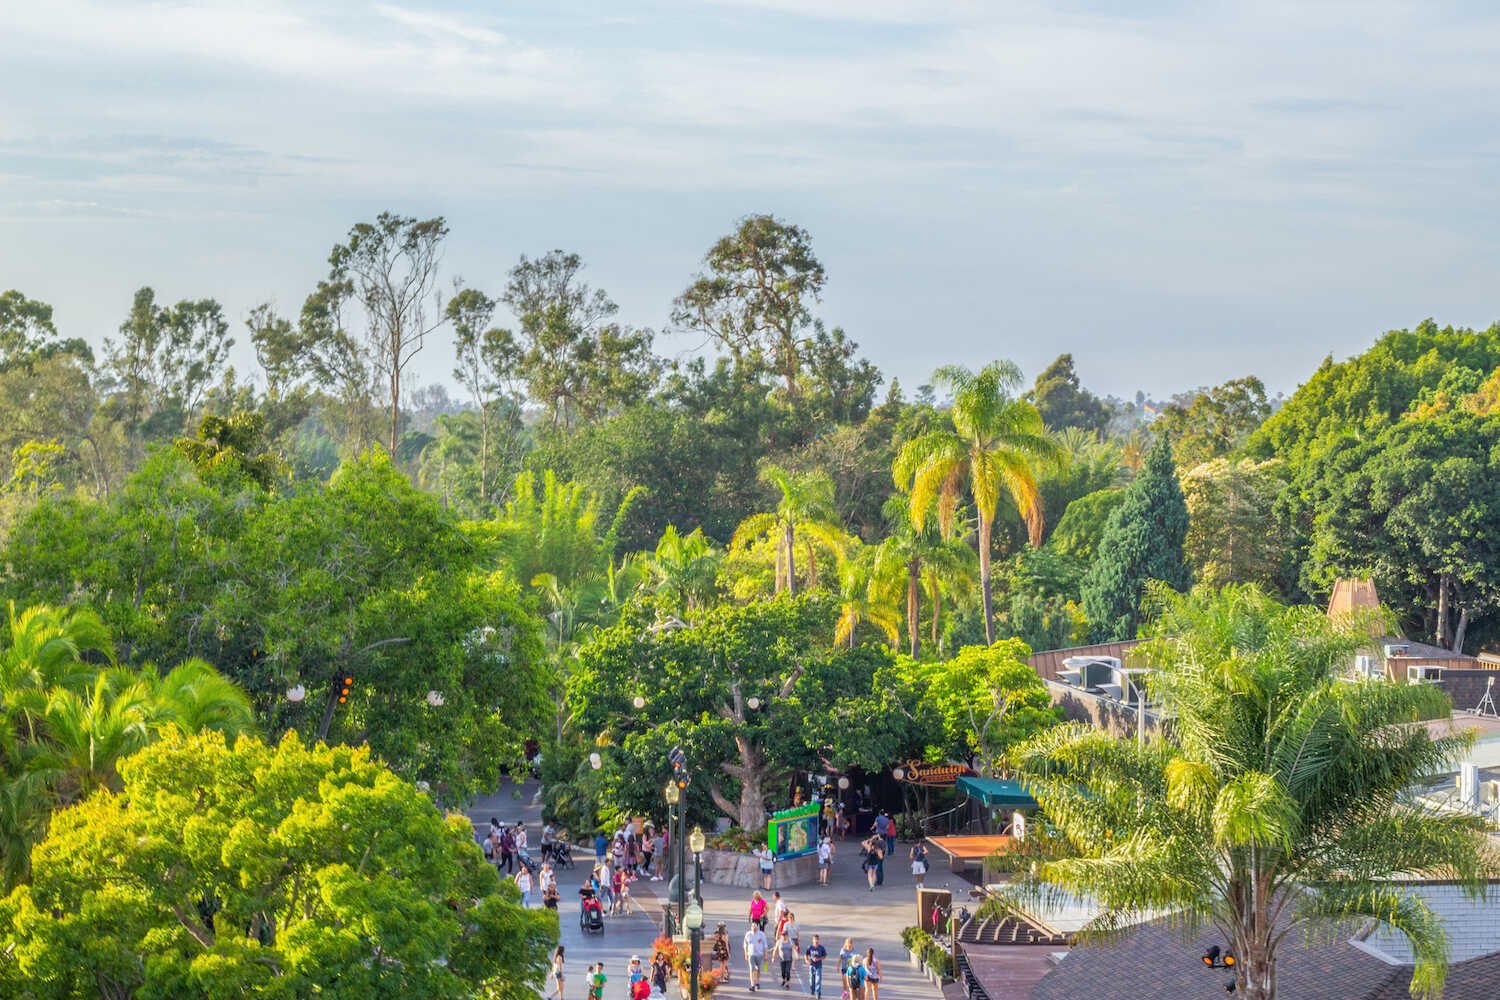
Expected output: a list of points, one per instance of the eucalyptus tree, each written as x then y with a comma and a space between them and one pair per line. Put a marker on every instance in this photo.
995, 444
1278, 803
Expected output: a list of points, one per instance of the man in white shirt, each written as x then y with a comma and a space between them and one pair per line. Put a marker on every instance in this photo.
825, 859
755, 953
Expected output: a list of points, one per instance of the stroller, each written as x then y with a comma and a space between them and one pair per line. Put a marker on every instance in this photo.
562, 854
590, 913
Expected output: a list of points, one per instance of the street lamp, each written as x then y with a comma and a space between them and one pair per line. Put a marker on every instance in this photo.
693, 918
596, 761
639, 702
435, 699
674, 795
296, 694
752, 702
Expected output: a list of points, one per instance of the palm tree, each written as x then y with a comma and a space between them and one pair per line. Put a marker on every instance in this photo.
805, 512
685, 567
860, 600
1278, 804
917, 558
194, 698
995, 445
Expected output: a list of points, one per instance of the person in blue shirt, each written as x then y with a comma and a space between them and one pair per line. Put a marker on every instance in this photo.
601, 847
814, 955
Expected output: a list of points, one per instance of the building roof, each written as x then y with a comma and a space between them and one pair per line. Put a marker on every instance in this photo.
1472, 925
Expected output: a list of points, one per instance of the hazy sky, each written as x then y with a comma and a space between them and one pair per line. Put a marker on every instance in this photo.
1178, 193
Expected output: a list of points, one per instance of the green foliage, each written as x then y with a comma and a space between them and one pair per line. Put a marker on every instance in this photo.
553, 527
1143, 542
816, 705
1367, 393
1418, 509
282, 871
988, 699
68, 716
1063, 402
1277, 805
229, 447
1210, 423
1232, 532
994, 447
1083, 524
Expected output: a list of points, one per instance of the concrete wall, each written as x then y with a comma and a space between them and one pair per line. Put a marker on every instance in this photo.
743, 870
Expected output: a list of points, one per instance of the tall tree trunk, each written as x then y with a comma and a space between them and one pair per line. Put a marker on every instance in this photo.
937, 613
984, 578
913, 626
1444, 639
812, 567
484, 454
1463, 627
395, 402
789, 541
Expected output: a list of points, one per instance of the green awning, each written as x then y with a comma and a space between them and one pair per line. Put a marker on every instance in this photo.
996, 792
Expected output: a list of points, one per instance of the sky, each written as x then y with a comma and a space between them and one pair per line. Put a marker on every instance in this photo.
1178, 193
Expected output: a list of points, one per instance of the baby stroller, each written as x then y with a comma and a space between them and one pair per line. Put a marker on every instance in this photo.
590, 913
562, 854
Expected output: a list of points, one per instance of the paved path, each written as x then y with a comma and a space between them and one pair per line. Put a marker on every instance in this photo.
844, 909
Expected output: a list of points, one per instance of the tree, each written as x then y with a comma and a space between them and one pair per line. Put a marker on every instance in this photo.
487, 360
684, 569
231, 446
390, 266
28, 336
1232, 533
995, 445
910, 558
988, 699
1277, 805
804, 513
753, 693
577, 362
1143, 541
69, 715
1209, 423
1417, 509
860, 600
755, 296
284, 871
339, 362
1083, 523
1063, 402
166, 358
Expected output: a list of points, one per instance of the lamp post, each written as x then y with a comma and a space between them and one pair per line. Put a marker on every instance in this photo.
674, 795
694, 918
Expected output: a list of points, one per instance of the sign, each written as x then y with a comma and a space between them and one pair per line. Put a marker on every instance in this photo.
935, 775
793, 832
1018, 825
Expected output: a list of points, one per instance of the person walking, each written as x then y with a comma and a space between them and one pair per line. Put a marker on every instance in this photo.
874, 861
856, 979
755, 954
846, 956
659, 851
778, 909
601, 846
507, 862
720, 952
659, 969
825, 859
555, 987
814, 956
872, 975
919, 862
793, 932
758, 910
781, 953
648, 851
767, 866
885, 829
523, 882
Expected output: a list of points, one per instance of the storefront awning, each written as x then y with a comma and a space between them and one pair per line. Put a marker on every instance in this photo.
996, 792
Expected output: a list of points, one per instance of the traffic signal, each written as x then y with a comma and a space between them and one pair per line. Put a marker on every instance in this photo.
344, 688
679, 767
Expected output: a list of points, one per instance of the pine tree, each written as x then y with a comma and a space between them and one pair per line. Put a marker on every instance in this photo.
1144, 541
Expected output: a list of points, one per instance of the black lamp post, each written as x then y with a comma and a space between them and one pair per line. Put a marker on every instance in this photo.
674, 796
693, 917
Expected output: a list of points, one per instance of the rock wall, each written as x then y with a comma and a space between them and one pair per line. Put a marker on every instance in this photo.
743, 870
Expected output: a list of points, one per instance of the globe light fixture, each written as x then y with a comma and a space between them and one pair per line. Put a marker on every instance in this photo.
435, 699
673, 793
899, 774
693, 918
696, 840
753, 702
296, 694
595, 761
843, 784
638, 702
